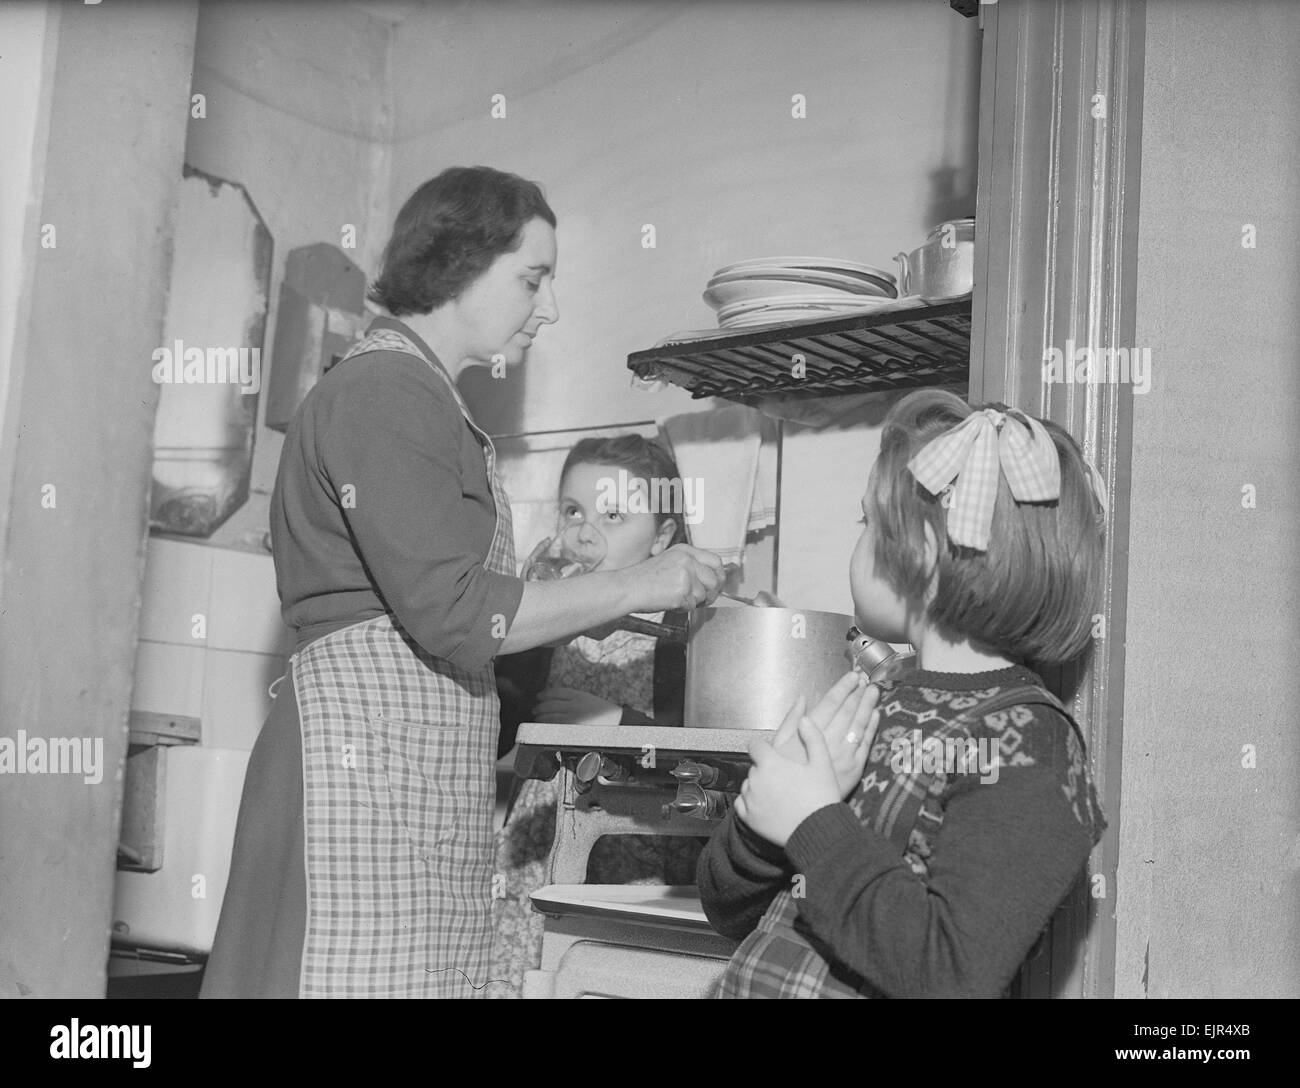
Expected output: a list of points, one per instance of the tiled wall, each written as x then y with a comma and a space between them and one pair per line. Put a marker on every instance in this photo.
222, 678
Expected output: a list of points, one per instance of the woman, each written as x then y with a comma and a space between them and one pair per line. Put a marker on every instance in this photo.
621, 679
363, 853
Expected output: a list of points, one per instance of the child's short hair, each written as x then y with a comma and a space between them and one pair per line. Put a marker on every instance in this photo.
642, 458
1033, 593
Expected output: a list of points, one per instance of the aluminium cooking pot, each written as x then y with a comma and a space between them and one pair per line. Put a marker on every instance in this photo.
745, 666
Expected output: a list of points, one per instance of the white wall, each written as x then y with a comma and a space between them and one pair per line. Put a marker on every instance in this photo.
1209, 868
25, 30
824, 473
28, 33
680, 116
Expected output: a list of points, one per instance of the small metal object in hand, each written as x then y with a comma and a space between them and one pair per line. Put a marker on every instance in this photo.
879, 660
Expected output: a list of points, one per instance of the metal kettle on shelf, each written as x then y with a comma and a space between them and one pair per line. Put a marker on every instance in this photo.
944, 267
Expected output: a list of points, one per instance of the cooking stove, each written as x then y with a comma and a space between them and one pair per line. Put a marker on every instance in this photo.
628, 940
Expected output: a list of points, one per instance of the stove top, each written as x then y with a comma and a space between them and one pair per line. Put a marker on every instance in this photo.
633, 739
695, 772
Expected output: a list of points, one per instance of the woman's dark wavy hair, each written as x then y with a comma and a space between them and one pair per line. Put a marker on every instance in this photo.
1034, 592
449, 231
642, 458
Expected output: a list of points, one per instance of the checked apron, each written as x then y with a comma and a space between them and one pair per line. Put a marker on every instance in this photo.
398, 754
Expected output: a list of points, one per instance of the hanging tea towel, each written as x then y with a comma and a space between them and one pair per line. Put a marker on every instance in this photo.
728, 456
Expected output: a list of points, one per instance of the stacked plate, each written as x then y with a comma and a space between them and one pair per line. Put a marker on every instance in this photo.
773, 289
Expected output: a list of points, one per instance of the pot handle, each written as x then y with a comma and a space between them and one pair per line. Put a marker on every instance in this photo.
670, 631
904, 275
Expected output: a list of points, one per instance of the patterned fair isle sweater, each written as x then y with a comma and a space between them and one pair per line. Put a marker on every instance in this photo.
921, 884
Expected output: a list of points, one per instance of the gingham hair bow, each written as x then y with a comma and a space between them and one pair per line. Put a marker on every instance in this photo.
971, 454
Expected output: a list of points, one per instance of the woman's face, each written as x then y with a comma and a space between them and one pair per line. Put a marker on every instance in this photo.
879, 610
501, 311
630, 537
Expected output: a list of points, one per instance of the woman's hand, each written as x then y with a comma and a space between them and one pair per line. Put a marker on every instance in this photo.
781, 792
552, 612
680, 577
847, 717
572, 707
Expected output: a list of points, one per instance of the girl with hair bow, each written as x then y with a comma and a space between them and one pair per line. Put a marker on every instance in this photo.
913, 838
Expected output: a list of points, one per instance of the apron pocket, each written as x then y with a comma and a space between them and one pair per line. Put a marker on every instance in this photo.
420, 765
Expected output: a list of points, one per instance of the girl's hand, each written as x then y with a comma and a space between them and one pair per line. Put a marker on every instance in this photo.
573, 707
847, 717
786, 738
780, 792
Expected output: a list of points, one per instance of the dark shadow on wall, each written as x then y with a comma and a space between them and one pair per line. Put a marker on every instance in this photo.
952, 184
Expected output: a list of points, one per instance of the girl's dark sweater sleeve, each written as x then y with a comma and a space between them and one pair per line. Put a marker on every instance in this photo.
739, 874
1003, 859
398, 443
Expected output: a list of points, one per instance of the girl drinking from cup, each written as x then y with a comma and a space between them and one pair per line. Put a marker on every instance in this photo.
912, 839
619, 679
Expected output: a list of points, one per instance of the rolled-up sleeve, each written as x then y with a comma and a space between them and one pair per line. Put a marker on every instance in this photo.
391, 453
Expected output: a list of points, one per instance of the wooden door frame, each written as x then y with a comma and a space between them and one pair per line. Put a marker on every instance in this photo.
1056, 241
80, 392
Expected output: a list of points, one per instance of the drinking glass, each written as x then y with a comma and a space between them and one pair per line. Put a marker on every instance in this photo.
578, 549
